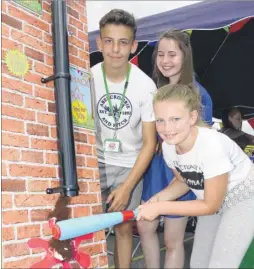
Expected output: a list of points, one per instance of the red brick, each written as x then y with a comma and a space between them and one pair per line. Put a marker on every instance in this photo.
46, 118
31, 41
11, 21
94, 186
83, 186
43, 69
46, 6
83, 18
48, 38
91, 139
35, 104
49, 60
33, 78
28, 231
83, 55
83, 149
12, 98
9, 44
15, 140
73, 50
37, 129
5, 29
43, 144
36, 55
80, 161
14, 216
46, 17
103, 260
33, 31
92, 249
4, 6
52, 158
40, 215
73, 12
10, 154
32, 156
76, 42
99, 236
13, 125
51, 107
85, 28
17, 112
96, 174
97, 209
53, 132
76, 5
18, 13
17, 85
94, 262
13, 185
81, 211
95, 151
7, 233
83, 36
23, 263
38, 185
44, 93
76, 23
22, 170
84, 199
85, 173
24, 200
92, 162
78, 62
6, 201
80, 137
46, 230
72, 29
4, 169
16, 249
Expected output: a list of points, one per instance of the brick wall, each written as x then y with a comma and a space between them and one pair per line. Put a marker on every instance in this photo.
29, 141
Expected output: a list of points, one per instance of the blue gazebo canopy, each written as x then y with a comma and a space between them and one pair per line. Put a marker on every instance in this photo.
203, 15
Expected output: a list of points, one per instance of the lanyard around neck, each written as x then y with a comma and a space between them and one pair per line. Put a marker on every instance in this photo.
123, 95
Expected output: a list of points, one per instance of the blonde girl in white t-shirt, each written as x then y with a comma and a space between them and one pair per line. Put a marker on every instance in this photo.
215, 168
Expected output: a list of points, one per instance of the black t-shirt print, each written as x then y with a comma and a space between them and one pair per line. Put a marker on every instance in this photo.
194, 179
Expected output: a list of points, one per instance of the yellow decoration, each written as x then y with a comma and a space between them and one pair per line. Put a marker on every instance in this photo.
17, 63
79, 112
189, 32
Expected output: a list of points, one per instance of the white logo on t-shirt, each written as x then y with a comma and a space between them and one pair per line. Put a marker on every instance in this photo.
105, 115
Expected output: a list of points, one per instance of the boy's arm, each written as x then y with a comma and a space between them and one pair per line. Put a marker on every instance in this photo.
120, 196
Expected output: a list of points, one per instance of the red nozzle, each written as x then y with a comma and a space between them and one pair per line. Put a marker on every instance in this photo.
56, 232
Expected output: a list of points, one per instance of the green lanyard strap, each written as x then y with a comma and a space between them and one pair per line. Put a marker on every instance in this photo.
123, 95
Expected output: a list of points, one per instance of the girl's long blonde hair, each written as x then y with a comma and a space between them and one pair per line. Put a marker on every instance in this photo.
189, 94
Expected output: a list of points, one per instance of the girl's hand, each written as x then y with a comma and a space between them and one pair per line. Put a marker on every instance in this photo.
148, 211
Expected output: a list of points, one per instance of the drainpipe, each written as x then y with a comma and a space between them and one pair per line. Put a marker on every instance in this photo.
69, 185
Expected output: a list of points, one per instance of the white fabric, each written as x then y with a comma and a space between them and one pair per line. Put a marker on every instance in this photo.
213, 154
137, 109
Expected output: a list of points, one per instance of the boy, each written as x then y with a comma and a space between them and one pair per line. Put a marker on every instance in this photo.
125, 127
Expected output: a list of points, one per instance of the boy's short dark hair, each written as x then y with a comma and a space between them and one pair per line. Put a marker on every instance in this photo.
119, 17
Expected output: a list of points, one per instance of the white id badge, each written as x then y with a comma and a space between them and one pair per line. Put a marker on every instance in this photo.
112, 145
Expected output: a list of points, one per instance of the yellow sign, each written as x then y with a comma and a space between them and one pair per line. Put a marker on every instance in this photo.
79, 112
17, 63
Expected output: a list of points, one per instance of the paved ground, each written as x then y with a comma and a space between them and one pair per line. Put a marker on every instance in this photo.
138, 261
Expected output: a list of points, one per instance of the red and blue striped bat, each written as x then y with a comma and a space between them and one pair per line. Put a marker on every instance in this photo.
72, 228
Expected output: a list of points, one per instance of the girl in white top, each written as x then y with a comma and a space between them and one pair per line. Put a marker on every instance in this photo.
215, 168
